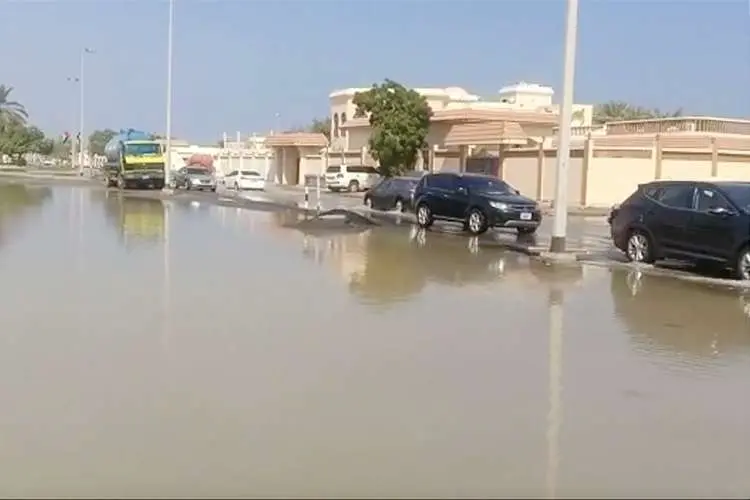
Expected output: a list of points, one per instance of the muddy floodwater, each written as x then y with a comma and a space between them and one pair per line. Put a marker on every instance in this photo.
159, 348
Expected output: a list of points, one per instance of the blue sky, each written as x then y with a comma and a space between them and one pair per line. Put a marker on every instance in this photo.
239, 63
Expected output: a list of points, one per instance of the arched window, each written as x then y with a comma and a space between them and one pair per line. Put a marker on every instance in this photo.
335, 125
343, 118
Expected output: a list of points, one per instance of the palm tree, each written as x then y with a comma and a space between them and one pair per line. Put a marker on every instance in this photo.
11, 110
667, 114
614, 111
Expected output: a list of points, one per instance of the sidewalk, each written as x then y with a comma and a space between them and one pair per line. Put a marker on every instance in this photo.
547, 209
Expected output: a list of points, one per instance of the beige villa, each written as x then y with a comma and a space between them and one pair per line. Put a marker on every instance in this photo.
515, 133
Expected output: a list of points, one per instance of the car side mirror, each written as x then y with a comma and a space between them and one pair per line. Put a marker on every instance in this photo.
721, 212
516, 191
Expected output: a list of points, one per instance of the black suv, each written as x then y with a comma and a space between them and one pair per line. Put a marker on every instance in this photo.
479, 202
701, 222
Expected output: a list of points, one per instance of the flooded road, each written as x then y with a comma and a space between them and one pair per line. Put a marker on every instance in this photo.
156, 348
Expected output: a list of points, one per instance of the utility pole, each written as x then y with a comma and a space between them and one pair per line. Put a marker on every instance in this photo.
81, 132
559, 228
73, 138
168, 156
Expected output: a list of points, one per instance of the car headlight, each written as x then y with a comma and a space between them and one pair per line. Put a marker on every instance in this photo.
499, 205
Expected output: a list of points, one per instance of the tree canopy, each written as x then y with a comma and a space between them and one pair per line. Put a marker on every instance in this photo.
400, 120
98, 139
320, 126
11, 110
17, 136
613, 111
17, 139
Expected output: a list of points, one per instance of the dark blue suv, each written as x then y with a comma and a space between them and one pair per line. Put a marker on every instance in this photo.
479, 202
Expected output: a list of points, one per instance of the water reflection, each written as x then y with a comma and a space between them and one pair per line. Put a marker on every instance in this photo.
16, 200
386, 264
138, 220
319, 395
683, 319
555, 407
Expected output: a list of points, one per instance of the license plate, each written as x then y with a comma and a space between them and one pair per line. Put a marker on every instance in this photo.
145, 177
525, 215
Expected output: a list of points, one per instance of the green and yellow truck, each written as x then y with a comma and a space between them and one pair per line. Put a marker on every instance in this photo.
134, 160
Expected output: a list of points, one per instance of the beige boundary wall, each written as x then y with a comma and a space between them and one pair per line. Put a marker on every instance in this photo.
602, 171
605, 170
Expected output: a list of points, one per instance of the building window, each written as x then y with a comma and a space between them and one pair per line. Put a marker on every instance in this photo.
335, 125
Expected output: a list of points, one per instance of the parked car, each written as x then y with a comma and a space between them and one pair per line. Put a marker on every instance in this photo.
479, 202
701, 222
351, 177
195, 178
245, 179
392, 194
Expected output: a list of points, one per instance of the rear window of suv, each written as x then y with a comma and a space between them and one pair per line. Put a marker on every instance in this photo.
440, 181
676, 195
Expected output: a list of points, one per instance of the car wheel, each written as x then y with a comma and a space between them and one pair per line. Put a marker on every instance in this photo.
639, 248
121, 184
353, 187
368, 202
742, 267
399, 205
236, 187
476, 222
424, 216
526, 230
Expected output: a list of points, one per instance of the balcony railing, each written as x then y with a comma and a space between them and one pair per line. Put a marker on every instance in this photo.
683, 124
583, 131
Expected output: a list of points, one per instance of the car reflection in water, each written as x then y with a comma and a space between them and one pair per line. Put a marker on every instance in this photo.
668, 316
391, 264
16, 200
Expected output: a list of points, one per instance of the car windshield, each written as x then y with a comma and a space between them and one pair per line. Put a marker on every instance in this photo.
333, 170
197, 171
487, 185
145, 149
739, 194
250, 173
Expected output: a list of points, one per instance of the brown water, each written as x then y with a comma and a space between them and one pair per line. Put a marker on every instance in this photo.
169, 349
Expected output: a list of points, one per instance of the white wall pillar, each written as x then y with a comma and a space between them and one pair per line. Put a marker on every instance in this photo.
463, 155
267, 166
282, 169
302, 173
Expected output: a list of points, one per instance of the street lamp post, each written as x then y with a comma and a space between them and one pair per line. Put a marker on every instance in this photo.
73, 140
81, 132
559, 228
168, 157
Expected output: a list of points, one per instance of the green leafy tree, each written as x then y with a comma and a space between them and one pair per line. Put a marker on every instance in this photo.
614, 111
16, 140
400, 120
11, 110
320, 126
45, 147
61, 150
98, 139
